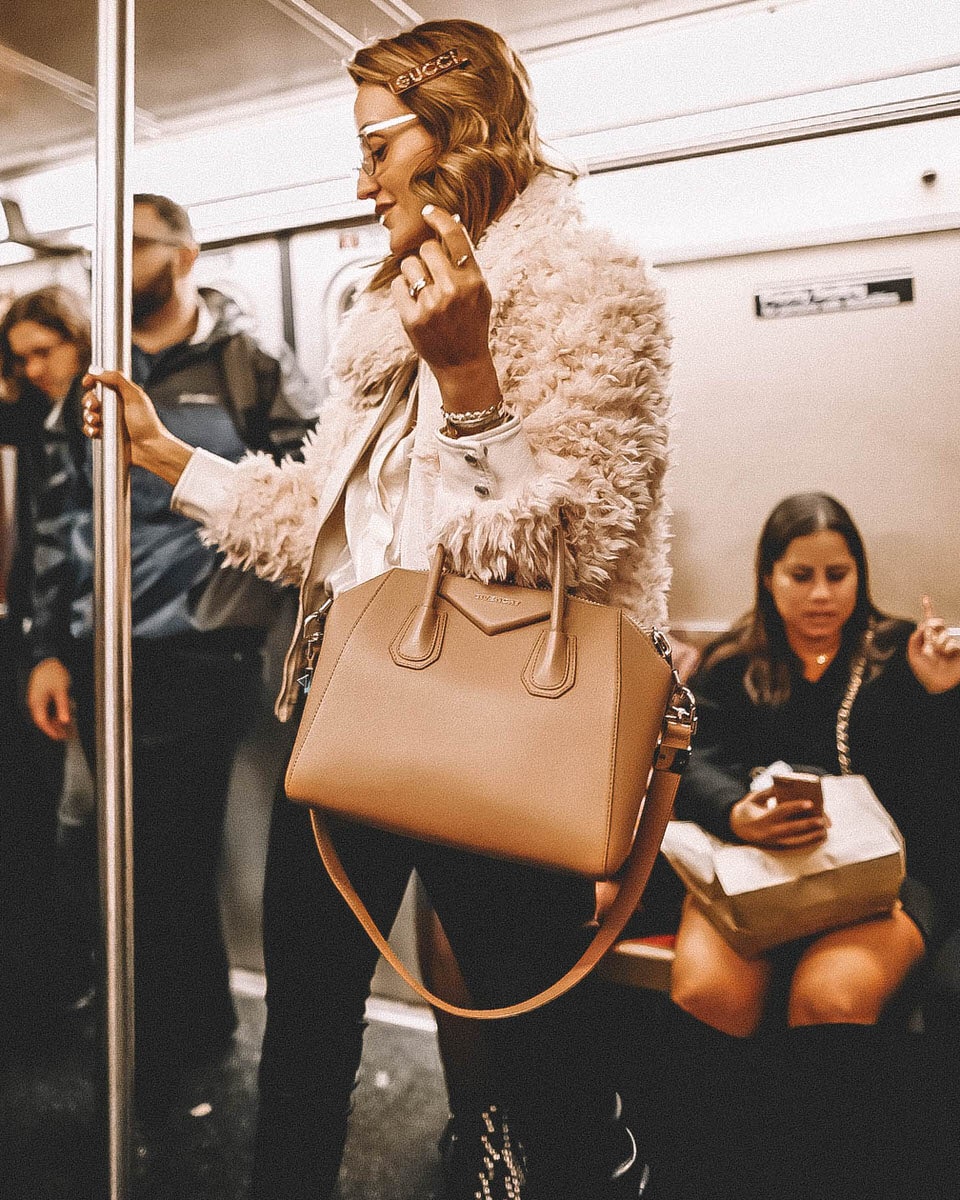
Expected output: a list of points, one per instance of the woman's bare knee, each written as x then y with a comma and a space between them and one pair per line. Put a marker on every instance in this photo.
848, 976
712, 982
840, 1004
729, 1009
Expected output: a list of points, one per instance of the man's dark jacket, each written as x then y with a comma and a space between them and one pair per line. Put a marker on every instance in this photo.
43, 466
227, 393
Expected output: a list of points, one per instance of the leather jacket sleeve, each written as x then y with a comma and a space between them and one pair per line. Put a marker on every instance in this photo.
275, 405
717, 775
59, 506
21, 426
15, 422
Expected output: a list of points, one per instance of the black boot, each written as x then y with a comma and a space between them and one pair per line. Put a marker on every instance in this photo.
613, 1169
484, 1160
825, 1096
630, 1178
688, 1091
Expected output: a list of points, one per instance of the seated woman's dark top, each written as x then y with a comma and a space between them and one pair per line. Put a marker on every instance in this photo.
903, 739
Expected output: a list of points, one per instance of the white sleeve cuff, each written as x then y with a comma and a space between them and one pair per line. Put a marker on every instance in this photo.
204, 486
488, 466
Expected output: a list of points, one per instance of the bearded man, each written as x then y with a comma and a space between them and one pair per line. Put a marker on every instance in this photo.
198, 630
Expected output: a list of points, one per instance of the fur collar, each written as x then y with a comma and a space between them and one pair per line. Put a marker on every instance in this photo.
372, 343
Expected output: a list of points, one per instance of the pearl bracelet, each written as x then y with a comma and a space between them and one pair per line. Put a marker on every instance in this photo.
469, 418
478, 421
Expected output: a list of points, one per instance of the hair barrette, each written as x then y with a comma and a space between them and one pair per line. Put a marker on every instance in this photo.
430, 69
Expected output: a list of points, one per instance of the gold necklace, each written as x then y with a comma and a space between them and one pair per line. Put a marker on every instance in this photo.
828, 656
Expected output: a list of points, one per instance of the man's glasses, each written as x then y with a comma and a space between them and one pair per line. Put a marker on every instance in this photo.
370, 156
142, 241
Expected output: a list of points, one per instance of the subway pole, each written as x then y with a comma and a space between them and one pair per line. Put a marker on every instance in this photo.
111, 348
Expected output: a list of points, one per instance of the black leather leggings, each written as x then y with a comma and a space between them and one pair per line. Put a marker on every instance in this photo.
514, 930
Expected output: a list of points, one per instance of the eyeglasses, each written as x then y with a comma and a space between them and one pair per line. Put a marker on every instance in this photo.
142, 241
370, 156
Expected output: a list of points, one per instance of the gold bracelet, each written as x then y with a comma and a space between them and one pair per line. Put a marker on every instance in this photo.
462, 424
451, 431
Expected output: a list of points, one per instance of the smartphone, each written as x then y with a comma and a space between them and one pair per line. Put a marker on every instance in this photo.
799, 785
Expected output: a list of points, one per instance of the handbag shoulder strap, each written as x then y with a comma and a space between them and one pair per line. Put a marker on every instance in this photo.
671, 758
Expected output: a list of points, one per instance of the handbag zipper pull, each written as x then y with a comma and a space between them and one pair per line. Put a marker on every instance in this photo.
311, 634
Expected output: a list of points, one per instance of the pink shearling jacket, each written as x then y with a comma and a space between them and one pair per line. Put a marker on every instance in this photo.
581, 349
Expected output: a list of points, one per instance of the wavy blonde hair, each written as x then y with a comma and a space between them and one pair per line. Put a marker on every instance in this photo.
481, 116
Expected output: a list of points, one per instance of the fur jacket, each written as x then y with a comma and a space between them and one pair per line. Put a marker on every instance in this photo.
582, 353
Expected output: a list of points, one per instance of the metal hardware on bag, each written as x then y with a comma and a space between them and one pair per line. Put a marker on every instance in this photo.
679, 726
311, 636
662, 646
683, 707
680, 719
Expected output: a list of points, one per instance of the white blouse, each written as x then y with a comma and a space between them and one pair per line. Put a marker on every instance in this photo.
485, 467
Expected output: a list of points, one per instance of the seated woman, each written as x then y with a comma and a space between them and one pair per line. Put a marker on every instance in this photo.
816, 675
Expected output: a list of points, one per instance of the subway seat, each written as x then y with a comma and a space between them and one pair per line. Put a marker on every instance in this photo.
647, 962
640, 959
643, 962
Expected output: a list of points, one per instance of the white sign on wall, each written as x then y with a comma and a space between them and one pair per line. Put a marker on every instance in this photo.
800, 299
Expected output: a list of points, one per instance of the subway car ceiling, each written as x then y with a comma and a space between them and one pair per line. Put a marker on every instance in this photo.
243, 106
775, 160
198, 58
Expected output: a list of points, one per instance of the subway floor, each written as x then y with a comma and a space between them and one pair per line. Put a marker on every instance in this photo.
202, 1151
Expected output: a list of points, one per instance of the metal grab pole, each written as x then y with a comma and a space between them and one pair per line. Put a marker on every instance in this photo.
111, 341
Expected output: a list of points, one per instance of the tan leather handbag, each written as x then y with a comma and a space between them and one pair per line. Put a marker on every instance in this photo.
509, 721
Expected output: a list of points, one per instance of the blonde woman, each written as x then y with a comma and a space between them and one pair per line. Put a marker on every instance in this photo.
504, 365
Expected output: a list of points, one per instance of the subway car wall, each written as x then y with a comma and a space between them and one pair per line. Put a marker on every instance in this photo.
798, 362
814, 293
803, 207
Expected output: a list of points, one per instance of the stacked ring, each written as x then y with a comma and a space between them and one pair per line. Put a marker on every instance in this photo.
416, 288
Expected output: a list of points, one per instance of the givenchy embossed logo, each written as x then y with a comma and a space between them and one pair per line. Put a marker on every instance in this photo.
495, 599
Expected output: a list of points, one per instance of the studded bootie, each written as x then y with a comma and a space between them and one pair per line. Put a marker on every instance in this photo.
481, 1158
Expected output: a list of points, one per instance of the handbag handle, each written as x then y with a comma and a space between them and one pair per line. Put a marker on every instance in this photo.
672, 754
550, 671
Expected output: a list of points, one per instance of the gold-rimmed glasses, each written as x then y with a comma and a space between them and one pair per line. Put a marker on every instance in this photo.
370, 156
142, 240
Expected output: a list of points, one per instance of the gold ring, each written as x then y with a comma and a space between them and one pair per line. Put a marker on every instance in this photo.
462, 260
416, 288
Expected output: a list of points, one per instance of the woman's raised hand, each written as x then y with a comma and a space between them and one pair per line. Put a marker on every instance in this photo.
151, 444
444, 304
934, 652
789, 825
